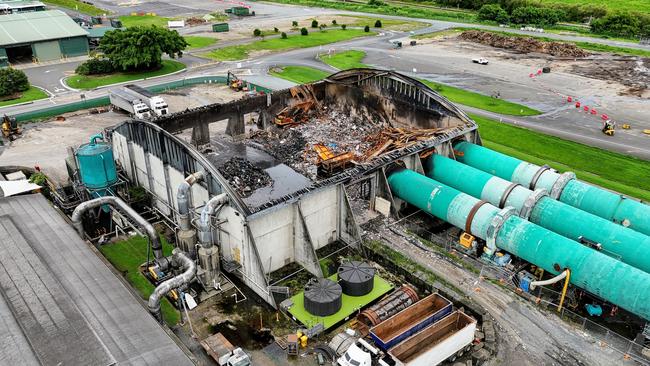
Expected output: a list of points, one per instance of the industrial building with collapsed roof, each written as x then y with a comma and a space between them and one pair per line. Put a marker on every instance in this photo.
40, 36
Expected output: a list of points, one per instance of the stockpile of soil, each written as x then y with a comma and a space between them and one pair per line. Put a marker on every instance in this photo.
524, 44
244, 176
634, 73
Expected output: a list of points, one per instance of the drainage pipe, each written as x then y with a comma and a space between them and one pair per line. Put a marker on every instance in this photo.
591, 270
564, 187
118, 204
550, 281
179, 260
630, 246
205, 232
183, 199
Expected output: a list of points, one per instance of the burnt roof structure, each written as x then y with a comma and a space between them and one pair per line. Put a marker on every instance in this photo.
287, 173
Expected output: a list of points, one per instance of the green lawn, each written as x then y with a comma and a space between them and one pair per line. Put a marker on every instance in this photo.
389, 24
78, 6
476, 100
33, 93
315, 38
351, 304
136, 20
641, 6
127, 256
345, 60
199, 42
300, 74
618, 172
93, 81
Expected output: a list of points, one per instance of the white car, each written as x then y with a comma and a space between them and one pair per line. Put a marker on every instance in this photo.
480, 61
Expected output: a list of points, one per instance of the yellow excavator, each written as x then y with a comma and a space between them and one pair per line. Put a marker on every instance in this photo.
608, 127
10, 128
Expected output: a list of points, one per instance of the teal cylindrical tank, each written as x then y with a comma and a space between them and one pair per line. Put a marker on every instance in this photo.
602, 275
96, 164
595, 200
629, 245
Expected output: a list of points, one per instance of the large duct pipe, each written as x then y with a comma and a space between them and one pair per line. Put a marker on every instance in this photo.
205, 232
394, 303
179, 260
606, 277
564, 187
631, 246
117, 203
183, 199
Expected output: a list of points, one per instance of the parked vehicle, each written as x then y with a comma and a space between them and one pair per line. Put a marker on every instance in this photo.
409, 321
480, 61
125, 101
446, 339
156, 103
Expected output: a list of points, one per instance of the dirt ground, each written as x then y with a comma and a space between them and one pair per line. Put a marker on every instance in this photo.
45, 143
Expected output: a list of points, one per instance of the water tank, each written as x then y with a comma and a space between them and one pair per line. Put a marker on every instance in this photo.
356, 278
96, 164
323, 297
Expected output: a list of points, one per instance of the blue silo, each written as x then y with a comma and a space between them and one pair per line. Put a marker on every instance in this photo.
96, 164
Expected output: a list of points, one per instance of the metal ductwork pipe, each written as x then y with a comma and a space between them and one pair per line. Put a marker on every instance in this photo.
183, 199
394, 303
179, 260
591, 270
120, 205
631, 246
550, 281
205, 231
563, 187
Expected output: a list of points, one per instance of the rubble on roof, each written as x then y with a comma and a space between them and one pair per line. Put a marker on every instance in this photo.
244, 176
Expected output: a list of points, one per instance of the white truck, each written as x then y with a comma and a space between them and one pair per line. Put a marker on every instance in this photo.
361, 353
224, 352
445, 339
480, 61
155, 102
126, 101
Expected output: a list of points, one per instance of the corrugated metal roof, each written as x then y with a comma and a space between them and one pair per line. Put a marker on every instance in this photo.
47, 269
37, 26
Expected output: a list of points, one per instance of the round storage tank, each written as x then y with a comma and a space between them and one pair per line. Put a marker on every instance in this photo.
96, 164
356, 278
323, 297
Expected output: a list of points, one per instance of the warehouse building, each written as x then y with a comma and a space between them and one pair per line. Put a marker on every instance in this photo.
41, 36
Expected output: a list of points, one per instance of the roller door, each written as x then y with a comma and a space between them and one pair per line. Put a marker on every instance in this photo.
71, 47
47, 51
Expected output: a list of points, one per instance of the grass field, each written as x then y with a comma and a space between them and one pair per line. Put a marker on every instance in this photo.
345, 60
611, 170
351, 304
389, 24
127, 256
641, 6
300, 74
137, 20
481, 101
78, 6
93, 81
199, 42
31, 94
315, 38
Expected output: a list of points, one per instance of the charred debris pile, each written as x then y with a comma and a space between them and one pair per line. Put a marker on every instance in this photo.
321, 140
244, 176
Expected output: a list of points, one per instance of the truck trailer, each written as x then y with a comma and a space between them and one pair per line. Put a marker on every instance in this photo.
446, 339
409, 321
156, 103
124, 100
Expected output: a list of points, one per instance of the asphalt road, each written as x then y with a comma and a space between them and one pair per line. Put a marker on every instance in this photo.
559, 119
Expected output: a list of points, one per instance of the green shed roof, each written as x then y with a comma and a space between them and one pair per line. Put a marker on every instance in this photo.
37, 26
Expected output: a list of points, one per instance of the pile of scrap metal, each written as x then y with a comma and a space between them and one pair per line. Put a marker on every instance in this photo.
298, 112
397, 138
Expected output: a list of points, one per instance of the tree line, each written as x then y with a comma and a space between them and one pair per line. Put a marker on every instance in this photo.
531, 12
